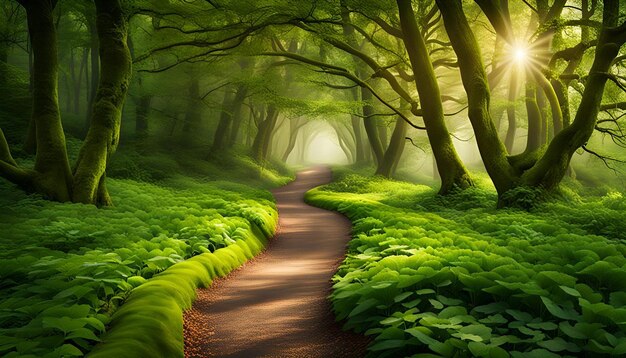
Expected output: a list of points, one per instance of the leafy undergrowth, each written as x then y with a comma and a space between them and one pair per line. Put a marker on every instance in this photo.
65, 269
454, 277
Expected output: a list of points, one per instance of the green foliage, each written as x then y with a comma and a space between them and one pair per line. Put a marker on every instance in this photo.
456, 277
67, 269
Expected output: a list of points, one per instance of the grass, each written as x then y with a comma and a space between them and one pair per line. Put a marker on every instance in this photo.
454, 277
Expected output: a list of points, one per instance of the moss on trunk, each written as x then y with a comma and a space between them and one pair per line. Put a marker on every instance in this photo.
103, 135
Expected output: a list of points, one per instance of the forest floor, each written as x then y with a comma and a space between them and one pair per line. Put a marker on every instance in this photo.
276, 305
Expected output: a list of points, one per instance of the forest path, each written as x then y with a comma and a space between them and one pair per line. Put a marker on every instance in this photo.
276, 305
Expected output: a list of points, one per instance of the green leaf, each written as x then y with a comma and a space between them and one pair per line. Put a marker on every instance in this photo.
387, 345
363, 306
68, 350
449, 301
496, 307
425, 291
519, 315
63, 324
401, 297
570, 291
418, 332
83, 333
557, 344
436, 304
546, 326
558, 311
391, 320
571, 331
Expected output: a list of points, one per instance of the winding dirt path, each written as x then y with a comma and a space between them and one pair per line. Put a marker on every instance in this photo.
276, 305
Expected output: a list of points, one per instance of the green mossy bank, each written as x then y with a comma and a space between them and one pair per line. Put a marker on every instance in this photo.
454, 277
114, 281
150, 323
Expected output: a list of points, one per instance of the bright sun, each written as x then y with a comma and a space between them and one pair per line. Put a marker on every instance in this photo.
520, 54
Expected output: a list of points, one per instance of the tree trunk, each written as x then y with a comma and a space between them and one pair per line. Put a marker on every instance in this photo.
51, 163
476, 86
262, 139
371, 127
223, 126
95, 69
103, 135
193, 117
394, 150
533, 140
294, 129
509, 141
142, 115
79, 82
451, 169
240, 96
358, 139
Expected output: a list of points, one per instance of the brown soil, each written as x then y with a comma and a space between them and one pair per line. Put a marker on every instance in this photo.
276, 305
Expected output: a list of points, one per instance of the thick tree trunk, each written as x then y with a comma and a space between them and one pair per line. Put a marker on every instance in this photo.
451, 169
476, 86
53, 177
103, 135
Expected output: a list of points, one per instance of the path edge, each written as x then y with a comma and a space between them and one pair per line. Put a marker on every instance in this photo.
150, 322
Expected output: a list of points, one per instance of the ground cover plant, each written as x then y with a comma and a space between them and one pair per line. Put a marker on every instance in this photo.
452, 276
67, 268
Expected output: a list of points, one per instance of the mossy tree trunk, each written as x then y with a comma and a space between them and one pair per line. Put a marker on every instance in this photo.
451, 170
104, 132
51, 175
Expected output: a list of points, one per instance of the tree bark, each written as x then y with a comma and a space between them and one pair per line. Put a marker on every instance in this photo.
533, 140
476, 86
451, 169
53, 177
394, 150
103, 135
193, 117
240, 96
223, 126
95, 69
142, 115
371, 127
509, 141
